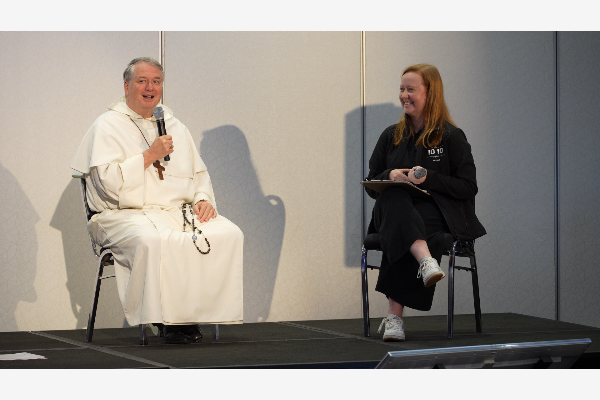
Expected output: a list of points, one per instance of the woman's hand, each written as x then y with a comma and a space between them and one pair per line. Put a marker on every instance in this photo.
406, 175
204, 211
399, 175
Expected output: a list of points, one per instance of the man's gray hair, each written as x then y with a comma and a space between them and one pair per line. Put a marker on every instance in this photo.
128, 73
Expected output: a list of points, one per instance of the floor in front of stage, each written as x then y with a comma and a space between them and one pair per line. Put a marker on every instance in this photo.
299, 344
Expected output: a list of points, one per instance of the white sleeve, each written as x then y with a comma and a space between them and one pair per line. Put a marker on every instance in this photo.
203, 188
121, 183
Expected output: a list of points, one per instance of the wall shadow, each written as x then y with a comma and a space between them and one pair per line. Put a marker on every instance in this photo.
261, 218
69, 219
353, 188
18, 250
377, 118
81, 264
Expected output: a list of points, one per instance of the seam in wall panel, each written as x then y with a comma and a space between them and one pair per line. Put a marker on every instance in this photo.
161, 57
557, 180
363, 106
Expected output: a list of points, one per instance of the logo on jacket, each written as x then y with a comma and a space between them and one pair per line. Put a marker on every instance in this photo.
435, 153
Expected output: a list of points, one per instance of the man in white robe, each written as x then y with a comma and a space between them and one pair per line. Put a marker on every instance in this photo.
162, 276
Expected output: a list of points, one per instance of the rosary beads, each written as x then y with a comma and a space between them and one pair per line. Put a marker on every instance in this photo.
184, 208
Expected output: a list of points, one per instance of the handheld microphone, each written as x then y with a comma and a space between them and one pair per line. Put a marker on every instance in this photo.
159, 114
420, 172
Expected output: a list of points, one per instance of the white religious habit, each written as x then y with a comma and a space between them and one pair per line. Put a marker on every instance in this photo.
161, 275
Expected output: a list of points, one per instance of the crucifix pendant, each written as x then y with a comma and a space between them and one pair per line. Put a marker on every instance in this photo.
160, 169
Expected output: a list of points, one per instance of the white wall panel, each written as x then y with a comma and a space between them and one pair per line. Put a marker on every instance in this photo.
500, 91
271, 114
54, 84
579, 57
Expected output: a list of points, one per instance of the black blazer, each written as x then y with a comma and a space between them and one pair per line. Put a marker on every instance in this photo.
451, 176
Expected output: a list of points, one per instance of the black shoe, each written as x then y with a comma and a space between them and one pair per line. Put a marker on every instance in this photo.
194, 332
174, 335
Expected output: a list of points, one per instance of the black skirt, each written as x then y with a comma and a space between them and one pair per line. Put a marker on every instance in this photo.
401, 219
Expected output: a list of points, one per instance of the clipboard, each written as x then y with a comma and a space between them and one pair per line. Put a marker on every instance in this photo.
380, 186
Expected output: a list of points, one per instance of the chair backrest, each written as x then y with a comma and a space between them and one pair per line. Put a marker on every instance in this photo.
88, 213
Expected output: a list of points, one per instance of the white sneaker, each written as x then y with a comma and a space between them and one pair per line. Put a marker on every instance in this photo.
430, 271
394, 328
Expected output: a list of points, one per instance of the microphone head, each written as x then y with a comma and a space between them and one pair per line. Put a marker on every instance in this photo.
420, 172
159, 114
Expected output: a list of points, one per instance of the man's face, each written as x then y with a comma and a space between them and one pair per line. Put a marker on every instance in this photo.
144, 91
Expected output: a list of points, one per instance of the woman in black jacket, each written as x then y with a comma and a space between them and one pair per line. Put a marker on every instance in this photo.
414, 230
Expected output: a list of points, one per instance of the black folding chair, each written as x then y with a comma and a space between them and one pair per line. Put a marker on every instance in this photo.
458, 248
105, 257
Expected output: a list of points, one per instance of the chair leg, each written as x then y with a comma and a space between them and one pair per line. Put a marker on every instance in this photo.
216, 332
476, 301
365, 293
451, 264
89, 333
143, 336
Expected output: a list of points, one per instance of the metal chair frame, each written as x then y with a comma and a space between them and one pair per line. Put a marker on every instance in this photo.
105, 257
458, 248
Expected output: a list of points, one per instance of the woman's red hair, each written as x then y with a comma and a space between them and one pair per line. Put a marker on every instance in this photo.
435, 112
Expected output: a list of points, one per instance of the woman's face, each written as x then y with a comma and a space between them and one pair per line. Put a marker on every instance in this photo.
413, 95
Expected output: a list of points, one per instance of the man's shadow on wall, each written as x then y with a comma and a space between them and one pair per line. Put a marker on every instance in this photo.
81, 264
261, 218
18, 249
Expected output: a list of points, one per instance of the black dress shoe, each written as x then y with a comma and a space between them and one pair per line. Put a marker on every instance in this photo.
174, 335
194, 332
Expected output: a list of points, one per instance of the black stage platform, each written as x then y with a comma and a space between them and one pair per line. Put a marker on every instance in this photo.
301, 344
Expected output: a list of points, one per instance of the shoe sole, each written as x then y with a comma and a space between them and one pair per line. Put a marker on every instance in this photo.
393, 339
435, 279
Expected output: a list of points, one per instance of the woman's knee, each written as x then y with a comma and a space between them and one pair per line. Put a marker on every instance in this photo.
392, 200
394, 195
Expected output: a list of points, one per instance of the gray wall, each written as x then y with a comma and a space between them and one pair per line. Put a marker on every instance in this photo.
277, 119
268, 113
54, 85
500, 90
579, 57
